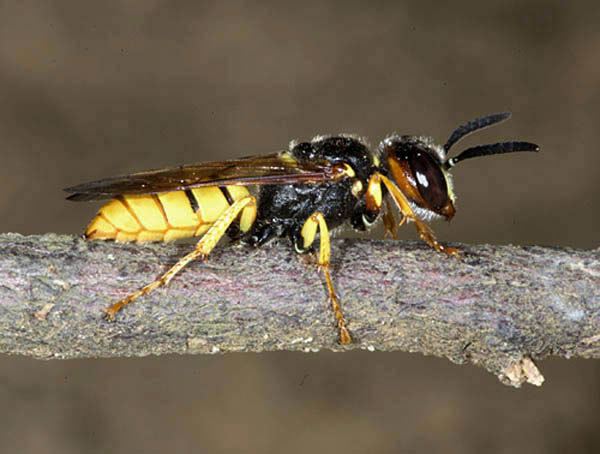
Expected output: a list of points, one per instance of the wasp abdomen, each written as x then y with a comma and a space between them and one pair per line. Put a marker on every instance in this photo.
165, 216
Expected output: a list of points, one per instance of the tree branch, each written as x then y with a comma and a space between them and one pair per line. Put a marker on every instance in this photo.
499, 307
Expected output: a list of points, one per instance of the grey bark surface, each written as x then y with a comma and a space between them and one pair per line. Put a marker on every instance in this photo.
500, 307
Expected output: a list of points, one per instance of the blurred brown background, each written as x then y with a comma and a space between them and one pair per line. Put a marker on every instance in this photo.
91, 89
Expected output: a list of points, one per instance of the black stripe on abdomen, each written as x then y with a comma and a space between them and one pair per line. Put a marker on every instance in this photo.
227, 195
192, 199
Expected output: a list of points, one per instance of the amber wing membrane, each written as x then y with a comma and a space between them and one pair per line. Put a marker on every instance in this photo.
278, 168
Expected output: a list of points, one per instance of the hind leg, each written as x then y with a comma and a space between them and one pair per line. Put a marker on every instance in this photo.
203, 248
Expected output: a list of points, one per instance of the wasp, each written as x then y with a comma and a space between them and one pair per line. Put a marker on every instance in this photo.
301, 193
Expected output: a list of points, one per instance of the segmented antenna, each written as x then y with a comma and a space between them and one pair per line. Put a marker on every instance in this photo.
489, 149
474, 125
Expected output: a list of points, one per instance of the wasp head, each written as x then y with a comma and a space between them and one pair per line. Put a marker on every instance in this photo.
420, 168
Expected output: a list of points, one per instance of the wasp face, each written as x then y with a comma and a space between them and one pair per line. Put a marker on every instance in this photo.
416, 166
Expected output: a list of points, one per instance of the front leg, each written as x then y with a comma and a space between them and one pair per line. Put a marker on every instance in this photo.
423, 229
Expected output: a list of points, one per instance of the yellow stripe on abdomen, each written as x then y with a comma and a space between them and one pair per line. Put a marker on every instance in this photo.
211, 203
166, 216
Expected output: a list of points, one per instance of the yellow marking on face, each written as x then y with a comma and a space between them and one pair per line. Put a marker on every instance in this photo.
178, 210
147, 211
119, 216
211, 203
376, 160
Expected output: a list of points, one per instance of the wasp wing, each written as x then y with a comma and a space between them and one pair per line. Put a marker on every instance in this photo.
278, 168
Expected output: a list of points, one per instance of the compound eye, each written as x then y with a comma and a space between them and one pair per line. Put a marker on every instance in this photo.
429, 179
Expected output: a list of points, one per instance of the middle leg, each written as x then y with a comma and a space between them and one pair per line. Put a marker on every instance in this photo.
308, 233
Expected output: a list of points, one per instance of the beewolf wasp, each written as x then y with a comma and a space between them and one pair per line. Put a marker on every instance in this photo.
304, 191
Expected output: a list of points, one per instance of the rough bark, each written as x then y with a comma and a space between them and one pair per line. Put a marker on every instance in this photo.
499, 307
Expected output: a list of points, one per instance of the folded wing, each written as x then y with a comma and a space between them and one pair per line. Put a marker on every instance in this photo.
278, 168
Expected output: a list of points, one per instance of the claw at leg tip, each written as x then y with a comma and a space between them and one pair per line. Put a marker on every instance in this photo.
110, 313
345, 338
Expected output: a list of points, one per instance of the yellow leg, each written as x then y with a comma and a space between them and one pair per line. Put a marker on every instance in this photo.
389, 221
308, 234
206, 244
423, 229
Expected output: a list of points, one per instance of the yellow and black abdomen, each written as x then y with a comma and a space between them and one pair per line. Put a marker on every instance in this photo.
166, 216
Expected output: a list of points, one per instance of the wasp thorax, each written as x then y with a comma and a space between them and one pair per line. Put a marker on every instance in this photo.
414, 165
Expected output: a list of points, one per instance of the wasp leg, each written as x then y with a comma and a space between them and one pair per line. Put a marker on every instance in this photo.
203, 248
423, 229
389, 221
308, 233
